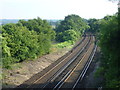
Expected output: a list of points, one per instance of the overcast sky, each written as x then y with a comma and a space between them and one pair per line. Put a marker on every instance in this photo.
56, 9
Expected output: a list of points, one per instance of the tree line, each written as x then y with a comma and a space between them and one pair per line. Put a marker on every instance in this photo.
109, 41
31, 39
25, 40
71, 28
107, 32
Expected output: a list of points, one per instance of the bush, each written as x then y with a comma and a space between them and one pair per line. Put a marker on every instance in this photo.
25, 40
110, 47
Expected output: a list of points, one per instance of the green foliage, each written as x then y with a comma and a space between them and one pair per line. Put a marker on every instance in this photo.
110, 47
70, 28
72, 22
63, 44
70, 35
25, 40
94, 25
40, 26
67, 35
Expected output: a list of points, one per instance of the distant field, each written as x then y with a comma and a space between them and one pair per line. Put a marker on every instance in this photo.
5, 21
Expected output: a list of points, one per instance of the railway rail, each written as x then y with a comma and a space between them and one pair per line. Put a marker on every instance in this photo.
63, 80
87, 65
72, 63
59, 72
72, 75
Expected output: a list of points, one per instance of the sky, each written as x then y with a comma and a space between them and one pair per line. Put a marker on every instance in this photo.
56, 9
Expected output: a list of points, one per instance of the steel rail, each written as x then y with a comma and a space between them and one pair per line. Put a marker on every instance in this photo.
66, 65
55, 66
65, 78
85, 68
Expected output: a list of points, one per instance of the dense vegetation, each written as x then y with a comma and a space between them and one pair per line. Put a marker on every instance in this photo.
71, 28
29, 39
110, 47
94, 25
25, 40
107, 31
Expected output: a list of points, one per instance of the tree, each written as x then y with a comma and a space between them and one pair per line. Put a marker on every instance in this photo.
110, 47
71, 22
94, 25
26, 40
67, 35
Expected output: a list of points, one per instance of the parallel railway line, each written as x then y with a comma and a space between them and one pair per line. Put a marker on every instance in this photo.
71, 64
73, 74
63, 80
57, 74
81, 76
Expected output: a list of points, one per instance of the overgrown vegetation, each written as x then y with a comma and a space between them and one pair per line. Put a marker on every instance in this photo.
110, 47
71, 28
30, 39
64, 44
107, 31
94, 25
25, 40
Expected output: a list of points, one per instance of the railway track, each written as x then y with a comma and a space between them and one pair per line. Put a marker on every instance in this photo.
69, 76
84, 70
59, 72
74, 77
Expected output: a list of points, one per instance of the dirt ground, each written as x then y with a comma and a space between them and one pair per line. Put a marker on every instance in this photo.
23, 71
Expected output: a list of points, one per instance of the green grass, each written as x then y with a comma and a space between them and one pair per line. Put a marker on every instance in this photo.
58, 46
63, 44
